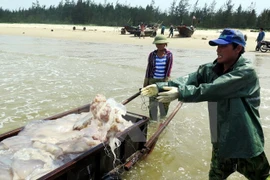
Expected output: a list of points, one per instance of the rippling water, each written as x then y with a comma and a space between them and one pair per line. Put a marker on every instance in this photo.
41, 77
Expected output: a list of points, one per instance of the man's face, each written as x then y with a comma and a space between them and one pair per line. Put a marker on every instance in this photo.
226, 54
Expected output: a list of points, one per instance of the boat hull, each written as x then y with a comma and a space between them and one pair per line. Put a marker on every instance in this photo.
150, 32
185, 31
131, 29
147, 33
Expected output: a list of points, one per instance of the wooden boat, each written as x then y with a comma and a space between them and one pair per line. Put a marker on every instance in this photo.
185, 31
131, 29
95, 163
149, 32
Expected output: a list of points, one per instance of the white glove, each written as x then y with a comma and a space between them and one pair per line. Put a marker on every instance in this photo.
150, 90
169, 95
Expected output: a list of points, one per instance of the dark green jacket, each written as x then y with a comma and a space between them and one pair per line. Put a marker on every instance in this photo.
233, 103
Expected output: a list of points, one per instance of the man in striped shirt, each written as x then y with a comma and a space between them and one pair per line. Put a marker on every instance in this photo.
158, 70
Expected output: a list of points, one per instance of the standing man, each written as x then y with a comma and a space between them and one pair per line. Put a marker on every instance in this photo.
231, 87
259, 39
162, 29
171, 32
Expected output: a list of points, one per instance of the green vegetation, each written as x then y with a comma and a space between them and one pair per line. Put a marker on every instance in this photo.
180, 12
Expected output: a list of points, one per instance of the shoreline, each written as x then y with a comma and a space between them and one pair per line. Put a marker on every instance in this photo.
107, 34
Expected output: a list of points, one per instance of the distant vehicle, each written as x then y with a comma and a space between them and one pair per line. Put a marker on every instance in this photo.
265, 46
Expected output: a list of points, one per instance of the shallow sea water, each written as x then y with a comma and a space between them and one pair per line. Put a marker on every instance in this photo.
40, 77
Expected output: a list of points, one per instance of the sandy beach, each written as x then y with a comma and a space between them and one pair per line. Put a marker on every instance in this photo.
105, 34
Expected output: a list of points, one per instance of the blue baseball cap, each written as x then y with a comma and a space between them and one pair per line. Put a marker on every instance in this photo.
229, 36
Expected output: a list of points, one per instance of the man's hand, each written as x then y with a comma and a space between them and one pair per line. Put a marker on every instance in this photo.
150, 90
169, 95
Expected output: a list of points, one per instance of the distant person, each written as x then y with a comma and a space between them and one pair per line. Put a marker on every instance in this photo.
162, 29
171, 32
142, 30
259, 39
154, 31
158, 70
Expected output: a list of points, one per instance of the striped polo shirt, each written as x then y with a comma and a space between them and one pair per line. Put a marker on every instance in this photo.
160, 67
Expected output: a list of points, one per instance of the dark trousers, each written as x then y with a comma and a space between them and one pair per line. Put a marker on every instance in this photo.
154, 105
258, 46
255, 168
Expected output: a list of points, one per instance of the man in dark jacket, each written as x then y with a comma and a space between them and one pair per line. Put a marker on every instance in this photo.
259, 39
231, 87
